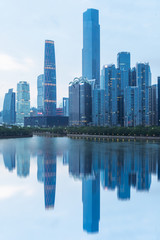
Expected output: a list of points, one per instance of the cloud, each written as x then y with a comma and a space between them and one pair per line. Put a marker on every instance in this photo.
9, 63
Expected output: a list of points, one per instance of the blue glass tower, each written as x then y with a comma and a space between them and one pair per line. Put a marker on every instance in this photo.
9, 114
91, 46
111, 94
123, 61
144, 83
158, 101
49, 79
40, 90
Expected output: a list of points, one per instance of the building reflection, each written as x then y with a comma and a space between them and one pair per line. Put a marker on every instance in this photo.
9, 157
23, 160
49, 179
117, 166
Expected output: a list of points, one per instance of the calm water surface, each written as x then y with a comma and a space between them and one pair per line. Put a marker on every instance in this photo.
61, 188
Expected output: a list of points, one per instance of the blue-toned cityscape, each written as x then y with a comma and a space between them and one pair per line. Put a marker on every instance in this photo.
120, 96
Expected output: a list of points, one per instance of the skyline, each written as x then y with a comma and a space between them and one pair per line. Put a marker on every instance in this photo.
124, 26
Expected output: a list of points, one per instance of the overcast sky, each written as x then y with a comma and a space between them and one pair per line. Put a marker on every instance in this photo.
126, 25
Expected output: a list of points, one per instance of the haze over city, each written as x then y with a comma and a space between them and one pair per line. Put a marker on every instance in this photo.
124, 26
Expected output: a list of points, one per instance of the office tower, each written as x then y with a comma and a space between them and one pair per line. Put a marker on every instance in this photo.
123, 61
49, 79
80, 102
91, 204
132, 77
23, 102
9, 113
49, 179
131, 109
153, 102
40, 91
91, 46
123, 64
158, 101
144, 82
98, 107
111, 94
66, 107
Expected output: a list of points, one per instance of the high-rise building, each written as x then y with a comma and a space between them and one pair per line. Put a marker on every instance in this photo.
132, 77
49, 79
131, 109
66, 107
123, 61
111, 94
144, 83
80, 102
153, 102
98, 107
23, 102
9, 113
91, 46
158, 101
40, 91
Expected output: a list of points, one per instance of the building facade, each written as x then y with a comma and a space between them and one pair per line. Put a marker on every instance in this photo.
80, 102
23, 102
49, 79
111, 94
66, 107
144, 83
158, 101
9, 113
91, 46
98, 107
40, 92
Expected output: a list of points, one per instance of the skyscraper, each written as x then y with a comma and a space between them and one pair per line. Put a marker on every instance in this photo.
9, 114
91, 46
23, 102
158, 101
49, 79
80, 102
65, 106
144, 83
40, 91
123, 61
111, 94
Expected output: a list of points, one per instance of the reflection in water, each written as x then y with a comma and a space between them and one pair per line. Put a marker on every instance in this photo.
91, 203
118, 166
23, 160
49, 179
9, 157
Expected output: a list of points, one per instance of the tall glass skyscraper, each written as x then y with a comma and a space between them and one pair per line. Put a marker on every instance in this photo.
80, 102
123, 61
40, 91
23, 102
91, 46
144, 83
49, 79
9, 114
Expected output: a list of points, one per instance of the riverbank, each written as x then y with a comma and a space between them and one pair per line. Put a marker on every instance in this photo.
104, 137
15, 132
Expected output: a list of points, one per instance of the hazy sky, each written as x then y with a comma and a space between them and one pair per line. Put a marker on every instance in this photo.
125, 26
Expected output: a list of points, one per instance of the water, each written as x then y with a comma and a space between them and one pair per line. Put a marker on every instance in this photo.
61, 188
